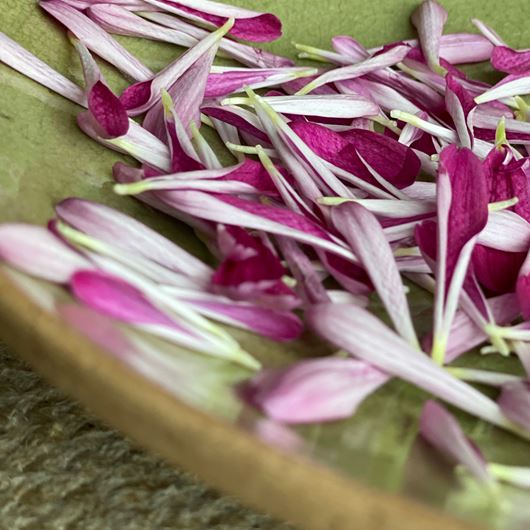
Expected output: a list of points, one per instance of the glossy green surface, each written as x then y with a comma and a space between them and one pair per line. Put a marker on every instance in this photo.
44, 158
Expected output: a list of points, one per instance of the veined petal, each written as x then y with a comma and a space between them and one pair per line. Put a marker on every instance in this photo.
239, 212
365, 235
513, 85
122, 231
337, 106
510, 61
138, 142
140, 97
18, 58
442, 431
315, 390
462, 200
97, 40
506, 231
357, 331
247, 55
108, 112
224, 81
372, 64
37, 251
429, 19
249, 25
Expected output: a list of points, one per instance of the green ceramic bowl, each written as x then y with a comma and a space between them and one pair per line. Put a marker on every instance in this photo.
369, 472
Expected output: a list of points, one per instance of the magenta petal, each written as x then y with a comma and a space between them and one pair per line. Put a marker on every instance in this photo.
116, 298
108, 112
37, 251
523, 289
460, 104
497, 270
120, 230
510, 61
316, 390
249, 25
468, 213
96, 39
282, 326
366, 237
395, 162
362, 334
444, 433
230, 115
515, 402
429, 19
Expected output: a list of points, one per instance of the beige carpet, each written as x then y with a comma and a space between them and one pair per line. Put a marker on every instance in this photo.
61, 469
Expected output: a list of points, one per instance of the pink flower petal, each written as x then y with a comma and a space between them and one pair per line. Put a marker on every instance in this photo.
108, 112
514, 402
97, 40
510, 61
12, 54
357, 331
243, 53
37, 251
249, 25
315, 390
429, 19
120, 230
365, 235
442, 431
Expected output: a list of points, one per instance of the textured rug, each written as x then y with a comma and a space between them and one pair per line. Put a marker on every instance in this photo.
60, 469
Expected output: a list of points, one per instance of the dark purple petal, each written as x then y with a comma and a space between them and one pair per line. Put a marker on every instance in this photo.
228, 116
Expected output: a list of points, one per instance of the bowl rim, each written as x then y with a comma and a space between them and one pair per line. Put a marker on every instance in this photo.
286, 485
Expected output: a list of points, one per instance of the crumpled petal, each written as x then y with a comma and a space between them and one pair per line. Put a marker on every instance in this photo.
314, 390
251, 271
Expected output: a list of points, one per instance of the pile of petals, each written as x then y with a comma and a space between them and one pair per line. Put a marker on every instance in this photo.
379, 167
